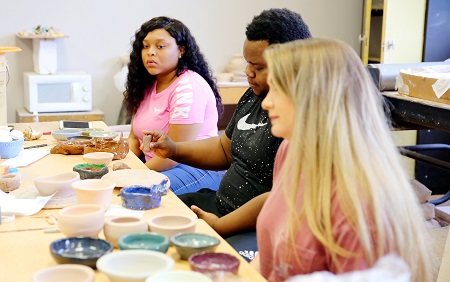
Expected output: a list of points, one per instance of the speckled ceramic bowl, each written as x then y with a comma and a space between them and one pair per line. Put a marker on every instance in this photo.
214, 262
138, 197
80, 250
91, 171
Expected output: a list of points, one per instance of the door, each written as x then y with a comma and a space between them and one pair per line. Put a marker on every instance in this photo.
393, 31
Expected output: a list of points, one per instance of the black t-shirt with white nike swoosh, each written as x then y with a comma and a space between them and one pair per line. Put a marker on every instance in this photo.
253, 148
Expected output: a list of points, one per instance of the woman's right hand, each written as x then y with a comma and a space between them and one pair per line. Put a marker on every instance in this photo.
158, 142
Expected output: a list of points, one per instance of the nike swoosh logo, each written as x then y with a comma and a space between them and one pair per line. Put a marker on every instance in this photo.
243, 125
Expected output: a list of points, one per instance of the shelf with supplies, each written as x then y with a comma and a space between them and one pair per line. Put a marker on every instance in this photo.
22, 115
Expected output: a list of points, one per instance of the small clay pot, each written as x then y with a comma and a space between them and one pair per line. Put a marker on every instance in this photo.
91, 171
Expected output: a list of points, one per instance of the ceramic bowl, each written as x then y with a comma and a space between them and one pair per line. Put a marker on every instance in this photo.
179, 275
137, 197
81, 220
10, 149
66, 273
171, 224
80, 250
214, 262
188, 244
116, 227
91, 171
80, 138
61, 184
103, 134
134, 265
144, 241
62, 134
94, 191
98, 158
87, 131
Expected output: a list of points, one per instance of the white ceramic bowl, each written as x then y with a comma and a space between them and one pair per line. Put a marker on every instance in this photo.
179, 275
133, 265
66, 273
94, 191
81, 220
103, 134
98, 158
61, 184
116, 227
171, 224
62, 134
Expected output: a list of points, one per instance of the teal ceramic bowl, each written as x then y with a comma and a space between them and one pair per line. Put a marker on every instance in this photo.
188, 244
144, 241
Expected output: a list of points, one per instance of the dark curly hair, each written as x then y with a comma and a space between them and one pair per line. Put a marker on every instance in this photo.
277, 26
139, 79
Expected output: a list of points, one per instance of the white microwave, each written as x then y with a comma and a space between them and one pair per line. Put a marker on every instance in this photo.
60, 92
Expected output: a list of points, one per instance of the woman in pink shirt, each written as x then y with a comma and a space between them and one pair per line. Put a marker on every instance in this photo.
341, 198
170, 88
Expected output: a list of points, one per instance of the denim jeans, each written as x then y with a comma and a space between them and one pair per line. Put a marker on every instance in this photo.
187, 179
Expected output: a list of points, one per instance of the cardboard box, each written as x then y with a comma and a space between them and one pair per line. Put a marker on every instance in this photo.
430, 83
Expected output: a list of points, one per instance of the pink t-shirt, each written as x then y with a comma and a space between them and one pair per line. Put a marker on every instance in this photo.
272, 238
188, 100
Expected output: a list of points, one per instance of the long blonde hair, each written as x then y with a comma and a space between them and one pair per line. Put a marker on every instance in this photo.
341, 139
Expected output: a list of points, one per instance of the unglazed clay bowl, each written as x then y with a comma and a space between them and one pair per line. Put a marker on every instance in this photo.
61, 184
188, 244
178, 276
144, 241
171, 224
80, 250
116, 227
98, 158
81, 220
94, 191
134, 265
66, 273
214, 262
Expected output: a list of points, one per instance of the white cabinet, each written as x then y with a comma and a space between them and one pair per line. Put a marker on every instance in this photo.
393, 31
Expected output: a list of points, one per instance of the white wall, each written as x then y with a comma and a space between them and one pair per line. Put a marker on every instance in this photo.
100, 32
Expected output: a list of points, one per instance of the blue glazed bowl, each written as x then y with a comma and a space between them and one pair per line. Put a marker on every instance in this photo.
80, 250
138, 197
188, 244
144, 241
10, 149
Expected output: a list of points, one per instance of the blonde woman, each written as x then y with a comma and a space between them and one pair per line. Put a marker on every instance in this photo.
340, 198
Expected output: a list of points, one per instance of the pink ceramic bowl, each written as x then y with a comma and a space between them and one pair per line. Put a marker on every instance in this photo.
116, 227
94, 191
81, 220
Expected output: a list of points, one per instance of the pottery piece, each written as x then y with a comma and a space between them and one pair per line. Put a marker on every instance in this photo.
134, 265
214, 262
144, 241
61, 184
171, 224
66, 273
188, 244
116, 227
98, 158
94, 191
79, 250
91, 171
81, 220
10, 149
62, 134
137, 197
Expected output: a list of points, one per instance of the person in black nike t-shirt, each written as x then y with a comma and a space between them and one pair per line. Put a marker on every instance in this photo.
247, 148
